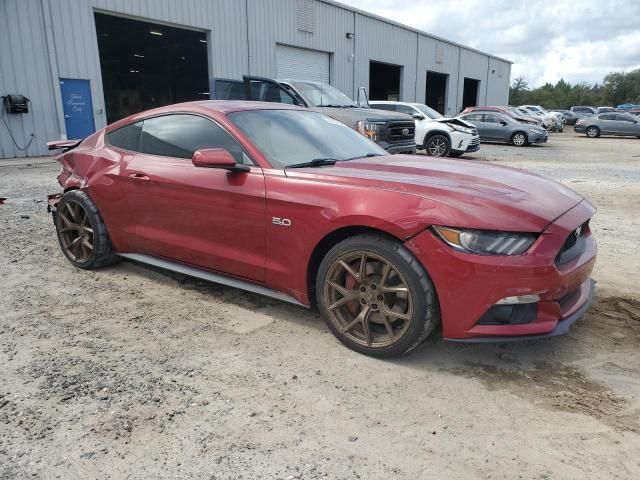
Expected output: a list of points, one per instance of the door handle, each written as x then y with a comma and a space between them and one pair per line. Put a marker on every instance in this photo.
139, 177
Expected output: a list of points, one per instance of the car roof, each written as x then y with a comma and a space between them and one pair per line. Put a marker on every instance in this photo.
205, 107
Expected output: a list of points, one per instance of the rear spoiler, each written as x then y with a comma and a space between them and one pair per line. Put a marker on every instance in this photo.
64, 145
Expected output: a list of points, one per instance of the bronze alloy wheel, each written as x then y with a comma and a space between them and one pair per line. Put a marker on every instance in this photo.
368, 299
76, 231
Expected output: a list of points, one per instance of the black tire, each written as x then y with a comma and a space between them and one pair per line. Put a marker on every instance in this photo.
456, 154
592, 131
519, 139
437, 146
102, 253
421, 295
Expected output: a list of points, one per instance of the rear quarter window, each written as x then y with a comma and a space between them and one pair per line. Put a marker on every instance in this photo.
127, 138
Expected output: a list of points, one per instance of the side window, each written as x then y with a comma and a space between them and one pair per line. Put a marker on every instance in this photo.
491, 118
405, 109
607, 116
180, 135
474, 117
270, 92
127, 137
384, 106
624, 118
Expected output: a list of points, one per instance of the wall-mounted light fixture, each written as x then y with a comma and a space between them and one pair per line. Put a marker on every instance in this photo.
349, 35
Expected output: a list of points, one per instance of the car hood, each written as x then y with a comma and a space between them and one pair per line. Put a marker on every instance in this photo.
456, 121
351, 116
469, 194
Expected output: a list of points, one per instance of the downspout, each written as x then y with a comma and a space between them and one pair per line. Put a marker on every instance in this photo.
354, 59
458, 86
246, 17
415, 90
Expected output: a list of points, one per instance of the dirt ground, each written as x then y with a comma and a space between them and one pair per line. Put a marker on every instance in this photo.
134, 373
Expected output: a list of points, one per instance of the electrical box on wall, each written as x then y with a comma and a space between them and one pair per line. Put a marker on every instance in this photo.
16, 104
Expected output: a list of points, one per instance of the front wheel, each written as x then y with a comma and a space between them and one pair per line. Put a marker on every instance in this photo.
519, 139
437, 146
375, 296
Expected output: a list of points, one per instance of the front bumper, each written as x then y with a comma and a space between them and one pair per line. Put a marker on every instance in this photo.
469, 286
399, 148
538, 137
579, 128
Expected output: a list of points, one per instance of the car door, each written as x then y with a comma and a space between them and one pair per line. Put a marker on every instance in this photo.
206, 217
627, 125
608, 123
253, 88
494, 130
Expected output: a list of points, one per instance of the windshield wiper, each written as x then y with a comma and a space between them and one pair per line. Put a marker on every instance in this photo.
330, 105
316, 162
368, 155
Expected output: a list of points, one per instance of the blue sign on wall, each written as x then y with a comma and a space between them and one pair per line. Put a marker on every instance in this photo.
77, 107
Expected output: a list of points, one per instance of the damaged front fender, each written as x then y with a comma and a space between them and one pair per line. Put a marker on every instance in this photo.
52, 202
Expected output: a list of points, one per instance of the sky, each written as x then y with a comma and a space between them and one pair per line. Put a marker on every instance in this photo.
579, 41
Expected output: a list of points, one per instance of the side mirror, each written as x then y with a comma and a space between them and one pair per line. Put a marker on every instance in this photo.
217, 158
417, 116
363, 98
503, 123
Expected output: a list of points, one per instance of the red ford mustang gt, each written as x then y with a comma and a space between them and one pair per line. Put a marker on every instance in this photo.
292, 204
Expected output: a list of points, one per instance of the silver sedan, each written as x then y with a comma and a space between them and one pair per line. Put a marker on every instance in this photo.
610, 123
496, 127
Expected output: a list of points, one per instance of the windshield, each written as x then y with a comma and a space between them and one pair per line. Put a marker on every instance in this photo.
535, 109
322, 95
428, 111
291, 137
515, 111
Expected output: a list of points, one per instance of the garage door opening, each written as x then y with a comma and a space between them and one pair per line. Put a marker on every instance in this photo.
384, 81
470, 92
146, 65
436, 94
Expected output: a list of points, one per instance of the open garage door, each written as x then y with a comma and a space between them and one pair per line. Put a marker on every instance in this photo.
302, 64
436, 94
384, 81
470, 92
146, 65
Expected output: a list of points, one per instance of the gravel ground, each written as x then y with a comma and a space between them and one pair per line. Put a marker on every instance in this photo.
130, 372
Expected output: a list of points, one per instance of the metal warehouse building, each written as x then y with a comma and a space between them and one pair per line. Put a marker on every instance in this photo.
85, 63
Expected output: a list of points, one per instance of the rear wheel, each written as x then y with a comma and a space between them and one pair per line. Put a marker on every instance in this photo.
82, 234
375, 296
593, 132
437, 146
519, 139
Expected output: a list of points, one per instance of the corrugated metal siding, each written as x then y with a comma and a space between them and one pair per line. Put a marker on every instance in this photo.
273, 22
384, 42
498, 82
473, 65
30, 29
428, 60
24, 69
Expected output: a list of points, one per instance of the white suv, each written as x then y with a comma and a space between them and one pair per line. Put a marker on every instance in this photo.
439, 136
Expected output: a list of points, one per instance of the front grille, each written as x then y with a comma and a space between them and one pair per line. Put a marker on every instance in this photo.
401, 132
573, 245
475, 141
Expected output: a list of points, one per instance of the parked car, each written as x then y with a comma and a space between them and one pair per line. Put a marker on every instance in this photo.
569, 117
290, 203
634, 111
437, 135
613, 123
583, 111
392, 131
513, 113
627, 106
605, 109
550, 121
496, 127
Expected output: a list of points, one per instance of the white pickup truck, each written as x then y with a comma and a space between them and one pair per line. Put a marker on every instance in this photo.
437, 135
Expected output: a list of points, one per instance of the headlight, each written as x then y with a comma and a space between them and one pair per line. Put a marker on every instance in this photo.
484, 242
460, 128
538, 130
370, 129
